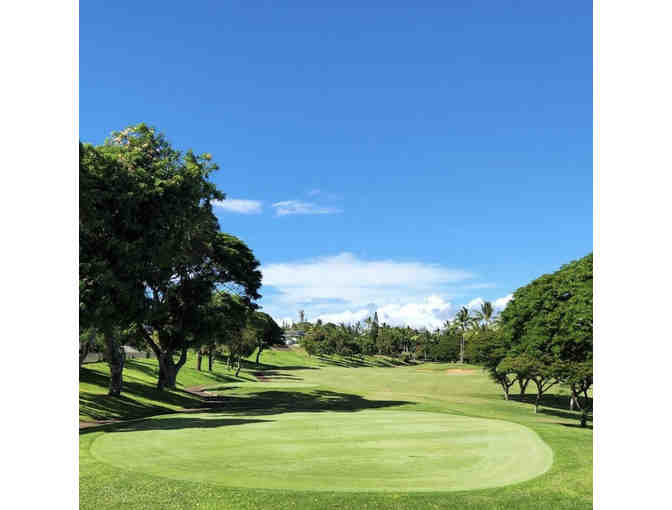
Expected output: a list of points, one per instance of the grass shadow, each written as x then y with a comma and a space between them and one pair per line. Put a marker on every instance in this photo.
577, 426
172, 423
277, 375
274, 402
102, 406
569, 415
358, 362
551, 400
251, 365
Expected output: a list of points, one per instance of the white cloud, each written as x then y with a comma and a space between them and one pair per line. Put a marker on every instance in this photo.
501, 303
430, 313
345, 288
475, 304
239, 206
300, 207
336, 276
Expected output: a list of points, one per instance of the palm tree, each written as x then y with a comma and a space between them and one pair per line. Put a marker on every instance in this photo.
463, 320
485, 314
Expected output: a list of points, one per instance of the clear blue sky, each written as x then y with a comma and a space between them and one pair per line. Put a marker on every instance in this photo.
429, 136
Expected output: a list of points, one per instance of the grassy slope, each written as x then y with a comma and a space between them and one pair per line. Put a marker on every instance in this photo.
567, 485
140, 398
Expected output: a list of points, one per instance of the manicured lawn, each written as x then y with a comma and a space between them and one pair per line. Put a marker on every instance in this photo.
367, 450
317, 424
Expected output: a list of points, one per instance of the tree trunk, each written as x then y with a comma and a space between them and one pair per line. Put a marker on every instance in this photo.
85, 347
506, 391
199, 359
239, 365
574, 402
168, 369
115, 359
574, 399
83, 353
523, 386
210, 356
584, 416
462, 349
261, 348
540, 392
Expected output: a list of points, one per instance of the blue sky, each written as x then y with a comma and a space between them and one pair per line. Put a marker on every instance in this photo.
408, 157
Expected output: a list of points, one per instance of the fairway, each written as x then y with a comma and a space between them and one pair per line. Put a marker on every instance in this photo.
370, 450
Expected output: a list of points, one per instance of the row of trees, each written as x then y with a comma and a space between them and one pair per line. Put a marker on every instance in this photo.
545, 336
453, 342
153, 263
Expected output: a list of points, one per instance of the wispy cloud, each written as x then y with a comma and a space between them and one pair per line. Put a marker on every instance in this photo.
239, 206
288, 207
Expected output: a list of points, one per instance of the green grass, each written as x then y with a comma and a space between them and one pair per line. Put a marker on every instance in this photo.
206, 466
370, 450
140, 397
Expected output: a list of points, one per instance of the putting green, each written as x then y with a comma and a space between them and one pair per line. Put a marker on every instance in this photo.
357, 451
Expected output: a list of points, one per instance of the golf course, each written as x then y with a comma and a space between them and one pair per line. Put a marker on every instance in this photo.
301, 431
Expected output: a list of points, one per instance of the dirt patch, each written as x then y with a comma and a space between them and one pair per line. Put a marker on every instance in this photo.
199, 391
463, 371
87, 424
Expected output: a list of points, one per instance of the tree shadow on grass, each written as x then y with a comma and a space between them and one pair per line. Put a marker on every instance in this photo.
276, 375
103, 407
556, 405
551, 400
577, 426
172, 423
251, 365
357, 362
274, 402
252, 404
569, 415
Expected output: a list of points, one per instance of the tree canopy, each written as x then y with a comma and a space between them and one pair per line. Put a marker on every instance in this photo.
545, 334
151, 253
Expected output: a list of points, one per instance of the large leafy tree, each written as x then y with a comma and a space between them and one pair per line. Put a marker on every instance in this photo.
151, 253
554, 314
550, 321
178, 305
264, 330
114, 250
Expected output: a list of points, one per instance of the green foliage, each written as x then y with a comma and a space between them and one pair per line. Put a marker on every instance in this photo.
553, 315
479, 345
151, 253
447, 347
545, 333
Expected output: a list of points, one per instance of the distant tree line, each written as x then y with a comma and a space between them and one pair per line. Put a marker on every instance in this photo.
453, 342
